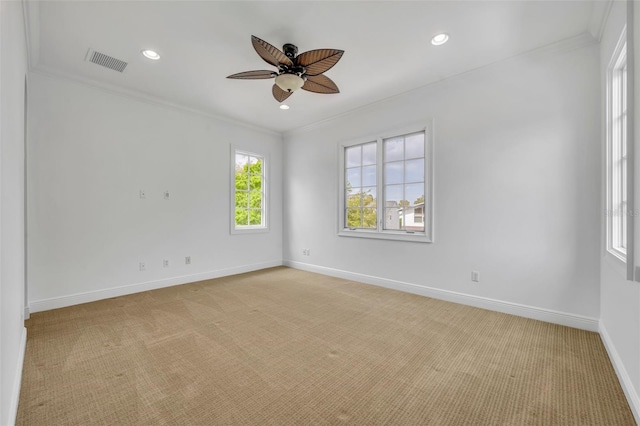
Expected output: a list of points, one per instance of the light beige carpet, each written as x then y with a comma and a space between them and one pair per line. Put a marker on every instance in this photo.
286, 347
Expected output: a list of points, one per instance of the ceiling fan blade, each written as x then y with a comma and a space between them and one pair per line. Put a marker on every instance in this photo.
320, 84
269, 53
254, 75
320, 60
280, 94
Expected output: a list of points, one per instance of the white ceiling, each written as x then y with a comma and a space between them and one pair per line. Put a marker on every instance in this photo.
387, 48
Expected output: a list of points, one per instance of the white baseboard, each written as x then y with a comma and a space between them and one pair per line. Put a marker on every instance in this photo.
547, 315
621, 371
17, 380
92, 296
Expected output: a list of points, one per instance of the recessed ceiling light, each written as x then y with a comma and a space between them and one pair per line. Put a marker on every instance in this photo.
439, 39
283, 106
151, 54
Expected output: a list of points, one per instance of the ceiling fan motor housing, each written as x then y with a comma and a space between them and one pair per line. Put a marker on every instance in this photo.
290, 50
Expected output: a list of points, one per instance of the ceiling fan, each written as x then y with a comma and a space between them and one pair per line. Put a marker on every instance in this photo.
303, 71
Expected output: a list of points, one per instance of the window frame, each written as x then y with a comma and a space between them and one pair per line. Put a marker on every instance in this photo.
249, 229
379, 232
616, 151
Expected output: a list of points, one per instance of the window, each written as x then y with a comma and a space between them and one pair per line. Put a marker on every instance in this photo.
386, 187
616, 137
248, 192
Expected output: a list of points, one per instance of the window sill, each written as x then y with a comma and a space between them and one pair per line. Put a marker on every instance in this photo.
396, 236
617, 255
249, 230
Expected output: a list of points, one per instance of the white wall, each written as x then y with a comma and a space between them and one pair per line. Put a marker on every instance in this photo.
90, 152
13, 63
619, 298
517, 172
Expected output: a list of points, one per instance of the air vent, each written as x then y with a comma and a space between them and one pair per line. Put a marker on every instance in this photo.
106, 61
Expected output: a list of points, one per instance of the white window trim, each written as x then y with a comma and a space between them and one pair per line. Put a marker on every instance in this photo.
611, 151
379, 233
266, 199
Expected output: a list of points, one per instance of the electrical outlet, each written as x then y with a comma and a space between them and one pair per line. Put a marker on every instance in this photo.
143, 266
187, 260
143, 194
165, 263
475, 276
308, 252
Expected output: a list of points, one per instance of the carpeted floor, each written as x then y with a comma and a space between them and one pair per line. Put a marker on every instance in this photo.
287, 347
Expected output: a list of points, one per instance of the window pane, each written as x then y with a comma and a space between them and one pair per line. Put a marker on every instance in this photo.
393, 194
623, 162
369, 176
255, 182
255, 200
242, 181
369, 154
623, 230
242, 216
242, 199
241, 162
413, 219
414, 146
414, 170
369, 196
391, 218
414, 192
353, 156
393, 172
394, 149
354, 198
353, 218
255, 217
369, 219
256, 165
354, 177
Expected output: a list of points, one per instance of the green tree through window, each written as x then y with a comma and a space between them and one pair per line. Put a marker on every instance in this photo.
361, 210
249, 190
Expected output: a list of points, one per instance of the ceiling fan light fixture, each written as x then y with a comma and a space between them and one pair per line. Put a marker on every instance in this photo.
284, 106
151, 54
439, 39
289, 82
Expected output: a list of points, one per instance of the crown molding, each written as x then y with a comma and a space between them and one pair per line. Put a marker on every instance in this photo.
598, 19
566, 45
149, 99
31, 12
31, 16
